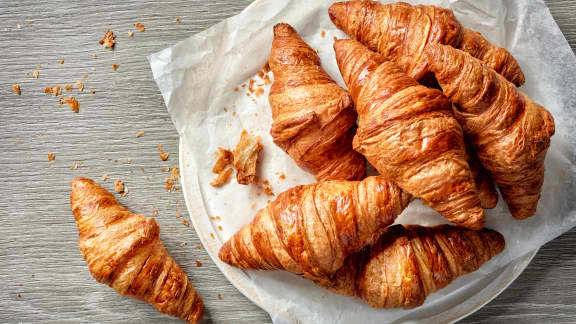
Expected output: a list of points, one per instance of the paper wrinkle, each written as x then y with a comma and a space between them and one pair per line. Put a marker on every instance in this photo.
197, 78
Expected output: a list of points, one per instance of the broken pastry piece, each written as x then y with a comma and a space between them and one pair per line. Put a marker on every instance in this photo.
246, 157
124, 251
222, 178
109, 40
224, 158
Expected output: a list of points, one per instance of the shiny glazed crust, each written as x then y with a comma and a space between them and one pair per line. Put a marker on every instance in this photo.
407, 131
124, 251
509, 132
314, 118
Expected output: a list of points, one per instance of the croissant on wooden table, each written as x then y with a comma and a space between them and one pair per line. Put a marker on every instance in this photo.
311, 229
314, 118
408, 133
124, 251
509, 132
400, 32
408, 263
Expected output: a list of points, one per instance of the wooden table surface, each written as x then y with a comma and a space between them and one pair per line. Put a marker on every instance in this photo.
42, 274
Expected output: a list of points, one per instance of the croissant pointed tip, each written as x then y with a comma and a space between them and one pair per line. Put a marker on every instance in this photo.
336, 11
283, 29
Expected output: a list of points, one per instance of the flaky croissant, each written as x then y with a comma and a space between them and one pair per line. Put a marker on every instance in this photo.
509, 132
314, 118
311, 229
408, 133
124, 251
400, 32
408, 263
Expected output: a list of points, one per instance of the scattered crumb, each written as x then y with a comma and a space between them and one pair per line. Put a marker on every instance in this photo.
323, 33
94, 55
35, 74
92, 92
212, 235
128, 160
246, 157
219, 296
335, 38
115, 161
72, 103
33, 276
180, 231
198, 246
233, 114
185, 223
19, 295
164, 156
30, 21
259, 92
119, 186
141, 28
68, 87
109, 40
139, 134
178, 20
169, 184
51, 157
16, 89
105, 177
130, 33
115, 66
79, 85
85, 75
282, 176
19, 26
48, 90
219, 227
252, 205
198, 264
56, 91
224, 158
174, 175
179, 216
61, 61
225, 109
76, 165
154, 211
182, 244
222, 178
160, 149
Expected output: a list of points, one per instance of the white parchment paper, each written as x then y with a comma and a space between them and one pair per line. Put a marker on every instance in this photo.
198, 77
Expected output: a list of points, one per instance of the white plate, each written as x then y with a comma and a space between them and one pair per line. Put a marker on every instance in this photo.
445, 310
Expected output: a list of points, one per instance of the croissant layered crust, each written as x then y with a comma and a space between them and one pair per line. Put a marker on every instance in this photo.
124, 251
400, 32
314, 118
407, 131
509, 132
311, 229
408, 263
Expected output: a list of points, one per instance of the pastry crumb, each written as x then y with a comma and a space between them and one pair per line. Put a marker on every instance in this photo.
219, 227
140, 27
68, 87
282, 176
30, 21
128, 160
119, 186
105, 177
48, 90
51, 156
323, 33
212, 235
85, 75
79, 85
72, 103
130, 33
61, 61
109, 40
19, 295
164, 156
154, 211
198, 246
76, 165
222, 178
252, 205
246, 157
224, 158
115, 66
179, 216
178, 20
169, 184
56, 90
92, 91
219, 296
185, 223
35, 74
139, 134
198, 264
175, 174
16, 89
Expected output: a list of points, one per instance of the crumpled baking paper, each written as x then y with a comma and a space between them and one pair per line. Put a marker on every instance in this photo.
205, 79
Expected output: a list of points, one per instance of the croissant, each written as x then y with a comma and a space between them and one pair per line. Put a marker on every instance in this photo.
408, 263
484, 184
311, 229
509, 132
407, 132
124, 251
314, 118
400, 32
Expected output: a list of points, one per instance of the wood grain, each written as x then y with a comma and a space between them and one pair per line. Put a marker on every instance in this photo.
43, 277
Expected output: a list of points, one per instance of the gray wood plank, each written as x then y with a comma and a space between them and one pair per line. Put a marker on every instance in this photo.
42, 273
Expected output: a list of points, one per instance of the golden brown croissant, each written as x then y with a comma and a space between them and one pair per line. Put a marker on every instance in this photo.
314, 118
400, 32
484, 184
407, 131
409, 263
124, 251
509, 132
311, 229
